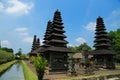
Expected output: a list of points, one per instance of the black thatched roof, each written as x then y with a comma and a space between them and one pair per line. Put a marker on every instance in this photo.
102, 39
103, 44
60, 26
39, 50
59, 30
58, 41
58, 35
101, 36
58, 22
32, 53
54, 38
101, 52
56, 49
99, 32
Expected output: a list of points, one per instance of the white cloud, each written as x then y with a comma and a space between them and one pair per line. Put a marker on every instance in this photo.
81, 40
5, 43
41, 41
21, 29
24, 33
114, 15
70, 44
114, 24
16, 7
28, 39
113, 19
116, 12
1, 6
90, 26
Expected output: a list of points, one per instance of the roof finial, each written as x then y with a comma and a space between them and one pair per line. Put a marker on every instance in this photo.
57, 10
99, 17
49, 21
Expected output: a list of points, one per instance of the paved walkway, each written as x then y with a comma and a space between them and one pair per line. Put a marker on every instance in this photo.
60, 75
30, 66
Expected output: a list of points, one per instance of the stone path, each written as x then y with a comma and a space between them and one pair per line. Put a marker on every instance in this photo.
30, 66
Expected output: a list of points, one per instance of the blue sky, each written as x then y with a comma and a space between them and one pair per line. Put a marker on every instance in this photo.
20, 20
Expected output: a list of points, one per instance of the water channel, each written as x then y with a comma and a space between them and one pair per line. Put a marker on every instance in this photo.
13, 73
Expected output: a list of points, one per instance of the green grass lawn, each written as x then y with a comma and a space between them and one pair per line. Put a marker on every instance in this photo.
29, 75
5, 66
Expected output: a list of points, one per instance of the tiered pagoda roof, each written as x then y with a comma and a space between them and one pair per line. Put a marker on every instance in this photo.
35, 45
101, 38
54, 36
47, 34
102, 42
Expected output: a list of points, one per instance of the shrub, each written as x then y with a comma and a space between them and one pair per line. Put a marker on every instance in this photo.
40, 65
5, 56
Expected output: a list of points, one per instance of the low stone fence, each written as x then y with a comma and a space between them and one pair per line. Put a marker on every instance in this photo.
102, 77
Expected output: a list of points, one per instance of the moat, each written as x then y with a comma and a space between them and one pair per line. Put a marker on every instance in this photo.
15, 72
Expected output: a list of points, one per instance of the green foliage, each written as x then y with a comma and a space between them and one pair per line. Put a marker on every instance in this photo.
29, 75
78, 49
5, 56
114, 37
7, 49
19, 53
40, 65
24, 56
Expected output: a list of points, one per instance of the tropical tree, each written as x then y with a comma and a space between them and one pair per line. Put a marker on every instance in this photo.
114, 37
77, 49
7, 49
40, 64
19, 53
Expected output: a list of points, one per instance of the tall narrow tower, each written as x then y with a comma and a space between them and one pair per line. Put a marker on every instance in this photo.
102, 53
101, 38
34, 43
57, 52
35, 46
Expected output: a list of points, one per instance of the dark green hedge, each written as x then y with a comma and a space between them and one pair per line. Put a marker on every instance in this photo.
6, 56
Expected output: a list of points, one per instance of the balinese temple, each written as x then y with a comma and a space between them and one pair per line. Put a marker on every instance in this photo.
35, 46
55, 48
103, 56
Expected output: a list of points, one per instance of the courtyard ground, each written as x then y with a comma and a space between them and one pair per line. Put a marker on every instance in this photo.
64, 76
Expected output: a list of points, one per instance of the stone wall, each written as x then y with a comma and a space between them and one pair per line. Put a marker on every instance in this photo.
108, 77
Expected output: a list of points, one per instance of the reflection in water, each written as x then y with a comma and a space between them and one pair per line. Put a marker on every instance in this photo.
14, 73
18, 65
